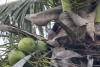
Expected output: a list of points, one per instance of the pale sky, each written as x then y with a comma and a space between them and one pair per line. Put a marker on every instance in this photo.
1, 41
6, 1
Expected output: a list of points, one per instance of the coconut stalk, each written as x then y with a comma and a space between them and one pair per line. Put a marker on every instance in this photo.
66, 5
97, 19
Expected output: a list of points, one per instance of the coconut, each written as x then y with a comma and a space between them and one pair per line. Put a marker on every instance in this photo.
14, 56
27, 45
41, 45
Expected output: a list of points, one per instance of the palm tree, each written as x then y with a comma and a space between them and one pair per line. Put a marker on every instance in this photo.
12, 17
30, 18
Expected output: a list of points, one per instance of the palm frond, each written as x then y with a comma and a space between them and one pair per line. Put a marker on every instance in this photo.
13, 15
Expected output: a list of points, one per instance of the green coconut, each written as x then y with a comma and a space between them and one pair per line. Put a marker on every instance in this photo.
27, 45
41, 45
14, 56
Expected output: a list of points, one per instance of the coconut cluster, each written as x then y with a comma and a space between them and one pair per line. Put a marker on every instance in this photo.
25, 46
